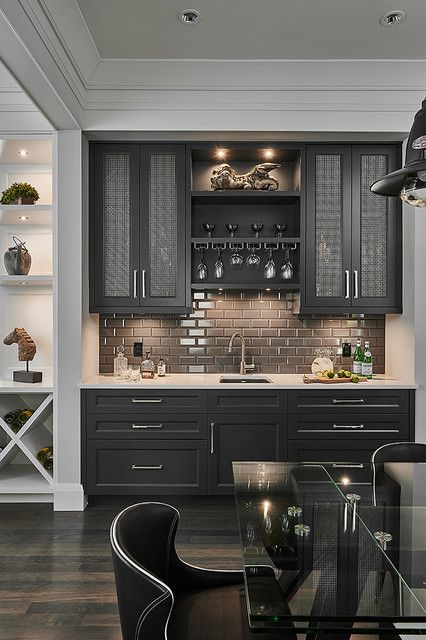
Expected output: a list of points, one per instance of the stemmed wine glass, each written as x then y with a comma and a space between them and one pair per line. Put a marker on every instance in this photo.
218, 266
270, 270
287, 270
280, 228
253, 260
209, 227
202, 270
257, 228
236, 260
232, 228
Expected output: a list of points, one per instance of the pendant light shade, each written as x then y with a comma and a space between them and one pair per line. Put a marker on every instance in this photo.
409, 183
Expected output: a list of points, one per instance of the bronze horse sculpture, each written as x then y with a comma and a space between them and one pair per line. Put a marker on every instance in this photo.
26, 345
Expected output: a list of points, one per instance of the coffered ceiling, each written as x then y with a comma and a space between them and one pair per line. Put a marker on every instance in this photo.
248, 65
254, 29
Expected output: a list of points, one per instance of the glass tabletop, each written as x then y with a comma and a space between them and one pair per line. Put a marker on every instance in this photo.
333, 549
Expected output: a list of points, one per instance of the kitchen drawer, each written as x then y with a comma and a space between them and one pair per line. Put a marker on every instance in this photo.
247, 400
147, 426
121, 467
353, 450
149, 400
347, 426
357, 401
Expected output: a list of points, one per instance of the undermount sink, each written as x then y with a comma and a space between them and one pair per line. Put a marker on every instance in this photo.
245, 379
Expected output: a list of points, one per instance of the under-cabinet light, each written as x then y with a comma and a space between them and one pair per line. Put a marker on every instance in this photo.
221, 154
268, 154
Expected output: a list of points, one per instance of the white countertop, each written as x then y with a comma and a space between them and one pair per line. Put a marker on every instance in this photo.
7, 386
211, 381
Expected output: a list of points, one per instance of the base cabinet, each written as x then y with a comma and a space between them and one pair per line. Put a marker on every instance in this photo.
242, 438
184, 441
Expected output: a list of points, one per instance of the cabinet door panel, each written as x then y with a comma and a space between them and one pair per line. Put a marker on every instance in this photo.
114, 228
244, 437
376, 231
328, 249
163, 242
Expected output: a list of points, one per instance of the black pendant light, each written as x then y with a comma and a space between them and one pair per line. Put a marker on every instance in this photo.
410, 182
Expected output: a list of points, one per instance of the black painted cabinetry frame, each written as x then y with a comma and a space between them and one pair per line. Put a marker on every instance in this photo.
143, 441
138, 227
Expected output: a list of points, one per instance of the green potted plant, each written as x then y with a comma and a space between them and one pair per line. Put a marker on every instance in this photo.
19, 193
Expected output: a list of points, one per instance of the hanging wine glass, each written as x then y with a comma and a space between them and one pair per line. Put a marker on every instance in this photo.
253, 260
280, 228
257, 228
236, 260
218, 266
202, 270
232, 228
209, 227
270, 271
287, 270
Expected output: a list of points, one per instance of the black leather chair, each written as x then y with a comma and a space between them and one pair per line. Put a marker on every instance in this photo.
400, 452
161, 597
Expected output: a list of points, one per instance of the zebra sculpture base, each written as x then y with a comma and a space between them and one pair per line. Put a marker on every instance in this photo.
27, 376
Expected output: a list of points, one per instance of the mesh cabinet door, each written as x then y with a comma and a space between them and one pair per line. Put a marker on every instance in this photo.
114, 227
376, 231
164, 234
328, 227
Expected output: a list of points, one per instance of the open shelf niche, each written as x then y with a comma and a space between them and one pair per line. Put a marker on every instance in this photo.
27, 301
245, 207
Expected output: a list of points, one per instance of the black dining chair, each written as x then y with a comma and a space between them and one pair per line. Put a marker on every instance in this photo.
400, 452
161, 597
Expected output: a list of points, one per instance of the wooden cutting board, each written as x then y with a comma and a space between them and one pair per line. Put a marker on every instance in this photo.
336, 380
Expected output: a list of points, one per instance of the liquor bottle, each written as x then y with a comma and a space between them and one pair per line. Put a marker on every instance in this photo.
161, 368
367, 363
147, 367
358, 359
120, 363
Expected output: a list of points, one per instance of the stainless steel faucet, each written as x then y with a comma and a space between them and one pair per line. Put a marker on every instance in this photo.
244, 368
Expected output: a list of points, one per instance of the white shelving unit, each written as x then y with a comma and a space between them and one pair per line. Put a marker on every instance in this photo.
27, 301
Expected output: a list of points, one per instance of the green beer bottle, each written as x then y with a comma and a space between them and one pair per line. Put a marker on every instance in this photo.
358, 359
367, 363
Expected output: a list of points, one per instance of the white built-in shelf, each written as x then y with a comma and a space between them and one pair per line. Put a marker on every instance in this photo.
31, 477
38, 214
36, 280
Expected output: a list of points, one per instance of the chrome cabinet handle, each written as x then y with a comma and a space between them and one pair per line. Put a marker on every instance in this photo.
348, 426
147, 426
147, 467
146, 400
353, 499
143, 283
348, 401
342, 465
347, 284
211, 437
355, 284
135, 283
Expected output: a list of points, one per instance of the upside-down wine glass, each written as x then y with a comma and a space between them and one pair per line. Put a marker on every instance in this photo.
218, 266
202, 270
270, 270
253, 260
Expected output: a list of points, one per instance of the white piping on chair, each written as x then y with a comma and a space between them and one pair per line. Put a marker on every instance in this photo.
373, 462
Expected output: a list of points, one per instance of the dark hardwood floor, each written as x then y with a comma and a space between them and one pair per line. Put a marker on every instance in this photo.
56, 580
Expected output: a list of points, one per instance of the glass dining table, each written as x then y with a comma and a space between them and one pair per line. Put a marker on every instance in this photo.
333, 550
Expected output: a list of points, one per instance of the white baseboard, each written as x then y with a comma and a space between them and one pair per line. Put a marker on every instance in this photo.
69, 497
20, 498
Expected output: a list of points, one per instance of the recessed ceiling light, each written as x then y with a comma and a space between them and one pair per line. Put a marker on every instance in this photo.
189, 16
268, 154
393, 17
23, 217
221, 154
23, 153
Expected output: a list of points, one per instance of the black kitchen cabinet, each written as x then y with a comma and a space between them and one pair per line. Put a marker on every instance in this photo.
352, 236
242, 437
138, 229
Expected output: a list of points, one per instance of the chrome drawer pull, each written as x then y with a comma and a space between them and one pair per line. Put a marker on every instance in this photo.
147, 426
349, 401
148, 467
348, 426
346, 284
340, 465
211, 437
146, 400
135, 283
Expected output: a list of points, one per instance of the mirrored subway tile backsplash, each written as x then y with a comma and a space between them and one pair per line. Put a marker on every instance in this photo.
279, 340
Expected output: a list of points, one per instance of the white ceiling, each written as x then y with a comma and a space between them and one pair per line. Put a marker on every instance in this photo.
255, 29
17, 113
